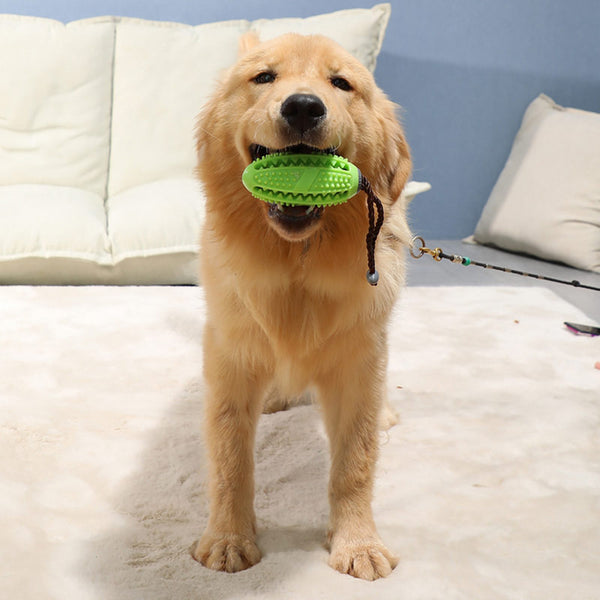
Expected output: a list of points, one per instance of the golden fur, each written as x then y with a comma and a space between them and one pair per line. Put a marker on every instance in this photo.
293, 310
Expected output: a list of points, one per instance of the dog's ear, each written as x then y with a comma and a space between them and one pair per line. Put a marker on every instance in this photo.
247, 42
212, 115
397, 163
400, 173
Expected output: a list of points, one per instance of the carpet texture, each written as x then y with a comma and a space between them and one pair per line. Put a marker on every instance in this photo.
489, 487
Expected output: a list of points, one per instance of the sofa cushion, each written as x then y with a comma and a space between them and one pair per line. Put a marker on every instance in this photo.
66, 229
55, 102
546, 201
50, 220
359, 31
164, 73
167, 212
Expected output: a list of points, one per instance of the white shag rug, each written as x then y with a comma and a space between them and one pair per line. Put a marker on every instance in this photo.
489, 488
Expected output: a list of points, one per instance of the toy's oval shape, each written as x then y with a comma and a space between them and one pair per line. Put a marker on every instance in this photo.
302, 179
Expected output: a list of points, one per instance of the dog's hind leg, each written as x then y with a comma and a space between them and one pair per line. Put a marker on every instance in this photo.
388, 417
275, 400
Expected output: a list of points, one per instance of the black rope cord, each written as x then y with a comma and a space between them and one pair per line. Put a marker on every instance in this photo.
373, 202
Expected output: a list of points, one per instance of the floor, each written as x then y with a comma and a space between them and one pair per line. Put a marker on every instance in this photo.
487, 489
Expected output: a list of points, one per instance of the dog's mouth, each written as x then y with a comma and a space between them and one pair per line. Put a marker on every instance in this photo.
258, 151
294, 220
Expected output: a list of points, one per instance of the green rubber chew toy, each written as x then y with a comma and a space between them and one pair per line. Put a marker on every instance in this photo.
302, 179
314, 180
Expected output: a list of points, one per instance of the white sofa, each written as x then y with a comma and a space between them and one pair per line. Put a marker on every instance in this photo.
97, 140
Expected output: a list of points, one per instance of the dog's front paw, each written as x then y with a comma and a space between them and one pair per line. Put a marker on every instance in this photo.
227, 552
366, 559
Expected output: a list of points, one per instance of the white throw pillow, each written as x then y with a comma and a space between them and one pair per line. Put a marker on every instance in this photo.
546, 201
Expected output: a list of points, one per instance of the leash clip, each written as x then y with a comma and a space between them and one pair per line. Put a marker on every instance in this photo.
417, 251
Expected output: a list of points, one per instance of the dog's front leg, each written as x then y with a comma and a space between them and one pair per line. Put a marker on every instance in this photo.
232, 411
351, 404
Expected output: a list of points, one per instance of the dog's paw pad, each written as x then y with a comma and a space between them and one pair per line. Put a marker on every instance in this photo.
230, 553
370, 560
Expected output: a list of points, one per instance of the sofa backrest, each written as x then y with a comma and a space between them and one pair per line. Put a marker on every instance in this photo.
69, 93
97, 150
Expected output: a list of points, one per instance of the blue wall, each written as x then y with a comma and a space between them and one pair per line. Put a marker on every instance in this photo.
463, 70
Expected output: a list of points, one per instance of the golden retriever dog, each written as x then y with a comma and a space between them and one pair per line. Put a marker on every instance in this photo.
289, 307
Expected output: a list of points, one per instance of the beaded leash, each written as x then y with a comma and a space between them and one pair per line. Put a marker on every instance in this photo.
418, 249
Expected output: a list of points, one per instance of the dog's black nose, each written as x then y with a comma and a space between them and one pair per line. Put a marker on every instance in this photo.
303, 111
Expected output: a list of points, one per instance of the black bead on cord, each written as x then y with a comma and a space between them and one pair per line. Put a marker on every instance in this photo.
373, 202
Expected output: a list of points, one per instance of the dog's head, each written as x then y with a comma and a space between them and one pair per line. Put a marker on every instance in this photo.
302, 94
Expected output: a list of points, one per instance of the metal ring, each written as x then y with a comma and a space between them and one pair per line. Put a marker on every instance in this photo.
416, 239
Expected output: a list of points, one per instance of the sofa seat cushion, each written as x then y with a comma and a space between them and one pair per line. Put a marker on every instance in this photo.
151, 235
162, 217
41, 224
48, 220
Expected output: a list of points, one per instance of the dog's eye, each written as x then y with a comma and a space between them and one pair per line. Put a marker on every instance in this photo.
343, 84
265, 77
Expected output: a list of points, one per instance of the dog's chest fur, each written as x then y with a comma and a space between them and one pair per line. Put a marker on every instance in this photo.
302, 329
298, 321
